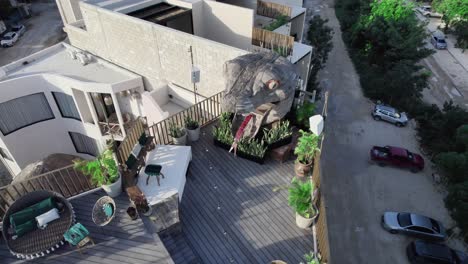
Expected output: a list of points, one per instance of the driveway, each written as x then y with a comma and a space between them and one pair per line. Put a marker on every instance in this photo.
44, 29
356, 191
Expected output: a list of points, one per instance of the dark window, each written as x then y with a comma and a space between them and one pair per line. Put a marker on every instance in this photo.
404, 219
420, 229
24, 111
4, 153
84, 144
66, 105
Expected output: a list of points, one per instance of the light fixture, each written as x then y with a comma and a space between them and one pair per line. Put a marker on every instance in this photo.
108, 100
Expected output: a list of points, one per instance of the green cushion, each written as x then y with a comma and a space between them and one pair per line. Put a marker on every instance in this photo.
25, 227
31, 212
153, 169
131, 161
75, 234
142, 140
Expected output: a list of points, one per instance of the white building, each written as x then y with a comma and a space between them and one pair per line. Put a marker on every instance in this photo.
128, 59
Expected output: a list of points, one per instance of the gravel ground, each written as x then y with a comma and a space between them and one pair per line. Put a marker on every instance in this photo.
357, 192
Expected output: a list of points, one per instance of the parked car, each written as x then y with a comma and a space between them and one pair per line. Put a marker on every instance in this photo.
9, 39
424, 252
389, 114
438, 40
413, 225
427, 11
398, 157
19, 29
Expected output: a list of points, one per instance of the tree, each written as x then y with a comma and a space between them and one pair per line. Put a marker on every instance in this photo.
319, 36
455, 15
453, 164
457, 203
460, 28
462, 136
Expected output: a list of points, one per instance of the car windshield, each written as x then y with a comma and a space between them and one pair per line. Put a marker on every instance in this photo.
441, 40
404, 219
435, 226
15, 28
7, 37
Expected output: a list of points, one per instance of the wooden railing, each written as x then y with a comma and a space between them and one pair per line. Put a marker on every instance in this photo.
204, 112
133, 134
272, 10
322, 233
66, 181
273, 41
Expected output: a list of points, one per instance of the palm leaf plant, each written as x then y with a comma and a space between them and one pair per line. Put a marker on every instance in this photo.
282, 131
306, 147
300, 198
103, 170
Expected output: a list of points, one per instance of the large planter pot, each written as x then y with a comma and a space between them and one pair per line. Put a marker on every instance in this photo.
280, 143
259, 160
305, 223
180, 140
193, 134
114, 189
301, 169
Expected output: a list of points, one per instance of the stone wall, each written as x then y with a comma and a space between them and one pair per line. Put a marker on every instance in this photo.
160, 54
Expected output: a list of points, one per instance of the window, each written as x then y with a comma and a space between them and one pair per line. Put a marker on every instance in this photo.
420, 229
4, 153
404, 219
66, 105
84, 144
24, 111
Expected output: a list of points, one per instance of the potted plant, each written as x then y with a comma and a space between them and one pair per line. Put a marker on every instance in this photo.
312, 258
305, 150
103, 171
300, 199
178, 134
303, 113
193, 129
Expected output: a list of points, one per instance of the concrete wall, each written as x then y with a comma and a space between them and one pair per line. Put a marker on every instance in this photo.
69, 10
297, 27
37, 141
303, 66
161, 55
228, 24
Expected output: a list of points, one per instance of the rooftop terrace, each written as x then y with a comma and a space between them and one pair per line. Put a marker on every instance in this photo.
232, 211
47, 60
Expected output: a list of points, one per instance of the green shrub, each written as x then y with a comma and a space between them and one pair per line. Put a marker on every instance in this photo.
103, 170
306, 147
252, 147
454, 165
303, 113
279, 21
457, 203
462, 136
300, 197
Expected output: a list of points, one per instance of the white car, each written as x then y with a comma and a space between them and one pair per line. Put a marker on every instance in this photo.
9, 39
427, 11
19, 29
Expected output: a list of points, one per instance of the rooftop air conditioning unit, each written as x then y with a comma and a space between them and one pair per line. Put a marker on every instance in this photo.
72, 54
82, 58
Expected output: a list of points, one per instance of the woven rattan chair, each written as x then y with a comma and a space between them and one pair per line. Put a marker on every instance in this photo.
39, 242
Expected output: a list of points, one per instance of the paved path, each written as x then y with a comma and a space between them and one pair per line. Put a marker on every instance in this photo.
356, 191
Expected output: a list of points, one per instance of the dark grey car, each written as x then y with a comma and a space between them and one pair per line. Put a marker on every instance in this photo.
413, 225
389, 114
424, 252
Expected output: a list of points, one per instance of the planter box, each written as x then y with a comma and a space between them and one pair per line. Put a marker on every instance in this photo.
240, 153
279, 143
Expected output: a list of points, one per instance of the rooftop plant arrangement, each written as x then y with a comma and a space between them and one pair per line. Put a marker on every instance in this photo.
279, 21
312, 258
252, 147
306, 147
103, 170
175, 131
303, 113
300, 198
222, 132
282, 131
190, 123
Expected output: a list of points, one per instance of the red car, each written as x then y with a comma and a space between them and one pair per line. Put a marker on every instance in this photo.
398, 157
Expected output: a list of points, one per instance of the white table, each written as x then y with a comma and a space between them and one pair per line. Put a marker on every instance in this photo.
174, 161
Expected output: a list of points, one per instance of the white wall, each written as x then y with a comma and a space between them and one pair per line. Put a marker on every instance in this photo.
297, 26
69, 10
37, 141
228, 24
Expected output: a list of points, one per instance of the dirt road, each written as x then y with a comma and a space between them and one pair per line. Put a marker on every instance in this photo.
44, 29
356, 191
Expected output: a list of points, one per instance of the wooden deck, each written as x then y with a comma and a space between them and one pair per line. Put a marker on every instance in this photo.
232, 211
236, 211
122, 241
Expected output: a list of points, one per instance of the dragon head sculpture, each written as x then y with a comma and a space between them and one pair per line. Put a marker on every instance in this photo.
260, 89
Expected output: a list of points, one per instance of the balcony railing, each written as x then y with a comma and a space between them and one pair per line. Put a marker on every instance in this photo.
66, 181
282, 44
204, 112
272, 10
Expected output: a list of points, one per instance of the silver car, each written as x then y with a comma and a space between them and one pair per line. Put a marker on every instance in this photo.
389, 114
413, 225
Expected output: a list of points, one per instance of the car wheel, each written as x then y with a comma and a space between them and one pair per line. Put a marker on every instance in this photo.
393, 231
414, 170
5, 46
381, 164
398, 124
377, 118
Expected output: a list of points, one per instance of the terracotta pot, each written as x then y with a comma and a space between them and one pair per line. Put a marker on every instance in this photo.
301, 169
